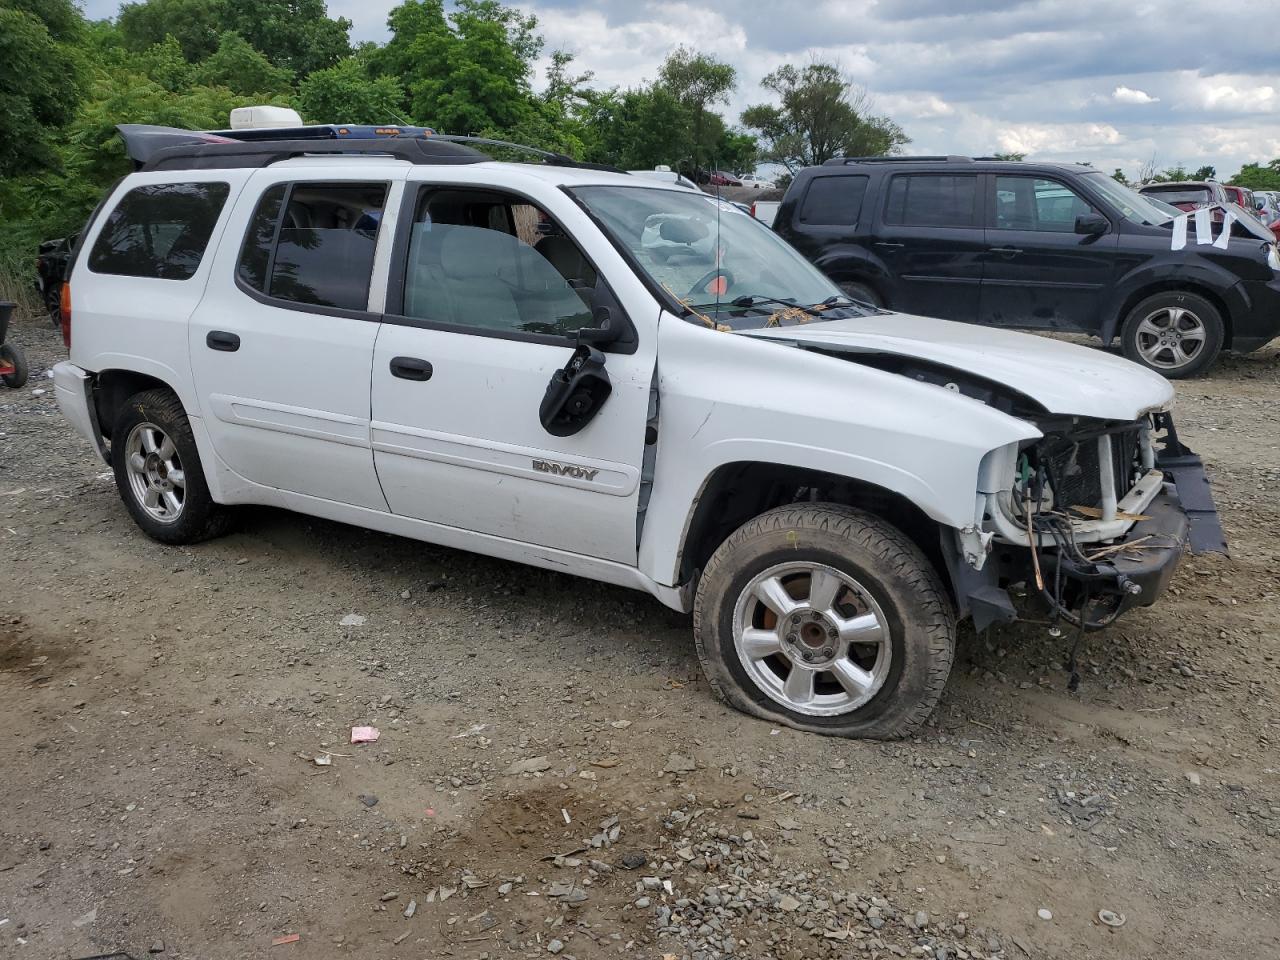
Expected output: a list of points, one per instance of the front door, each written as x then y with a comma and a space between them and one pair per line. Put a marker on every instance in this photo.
281, 356
1040, 273
493, 292
931, 242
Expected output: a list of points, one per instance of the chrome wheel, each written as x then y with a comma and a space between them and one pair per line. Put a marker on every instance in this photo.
155, 472
813, 639
1170, 337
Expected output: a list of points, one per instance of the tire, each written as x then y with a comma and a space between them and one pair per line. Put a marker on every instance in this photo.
53, 304
11, 353
860, 291
1154, 334
144, 420
879, 574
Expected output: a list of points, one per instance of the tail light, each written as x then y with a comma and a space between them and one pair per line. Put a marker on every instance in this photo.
65, 310
753, 209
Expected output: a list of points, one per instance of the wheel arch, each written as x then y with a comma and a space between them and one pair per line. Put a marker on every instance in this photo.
113, 387
1169, 285
736, 492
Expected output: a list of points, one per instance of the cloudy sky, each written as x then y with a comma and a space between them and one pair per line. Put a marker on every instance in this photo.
1108, 82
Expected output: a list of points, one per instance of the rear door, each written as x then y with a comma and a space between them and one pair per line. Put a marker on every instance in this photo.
1040, 273
282, 344
930, 239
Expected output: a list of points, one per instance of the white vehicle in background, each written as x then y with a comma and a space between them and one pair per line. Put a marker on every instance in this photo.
512, 358
757, 183
766, 211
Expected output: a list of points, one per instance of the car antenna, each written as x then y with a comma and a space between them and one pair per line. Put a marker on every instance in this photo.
719, 276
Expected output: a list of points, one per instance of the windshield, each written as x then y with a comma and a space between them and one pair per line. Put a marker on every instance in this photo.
1180, 194
1132, 205
723, 265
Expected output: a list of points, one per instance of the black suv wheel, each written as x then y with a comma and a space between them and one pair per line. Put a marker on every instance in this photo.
1175, 333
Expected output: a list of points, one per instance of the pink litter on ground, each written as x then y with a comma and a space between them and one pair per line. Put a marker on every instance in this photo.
364, 734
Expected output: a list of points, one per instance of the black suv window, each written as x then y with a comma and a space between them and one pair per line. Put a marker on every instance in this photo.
1029, 203
932, 200
159, 231
313, 243
833, 200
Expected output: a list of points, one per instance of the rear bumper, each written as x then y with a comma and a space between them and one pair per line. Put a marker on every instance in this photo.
74, 389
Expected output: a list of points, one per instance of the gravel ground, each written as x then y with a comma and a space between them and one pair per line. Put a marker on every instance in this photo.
553, 776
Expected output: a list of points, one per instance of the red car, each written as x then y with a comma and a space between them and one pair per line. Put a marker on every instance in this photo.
1192, 194
1240, 195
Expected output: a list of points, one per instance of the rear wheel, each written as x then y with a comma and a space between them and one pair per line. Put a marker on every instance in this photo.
158, 471
826, 619
53, 303
1176, 334
12, 355
860, 291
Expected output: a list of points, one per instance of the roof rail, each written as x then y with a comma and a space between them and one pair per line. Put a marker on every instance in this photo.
841, 161
549, 157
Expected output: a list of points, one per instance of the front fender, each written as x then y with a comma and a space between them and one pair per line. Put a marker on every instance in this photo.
725, 399
1193, 271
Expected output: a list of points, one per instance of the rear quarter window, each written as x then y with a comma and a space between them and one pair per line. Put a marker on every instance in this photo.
833, 200
159, 231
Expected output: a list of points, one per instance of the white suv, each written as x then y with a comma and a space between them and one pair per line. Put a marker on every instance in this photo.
619, 379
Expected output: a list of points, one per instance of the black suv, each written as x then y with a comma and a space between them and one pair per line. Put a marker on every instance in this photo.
1049, 246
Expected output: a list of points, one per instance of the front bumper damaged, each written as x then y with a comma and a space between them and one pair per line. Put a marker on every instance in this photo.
1090, 587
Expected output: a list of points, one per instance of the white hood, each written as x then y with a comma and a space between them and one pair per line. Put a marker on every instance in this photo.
1064, 378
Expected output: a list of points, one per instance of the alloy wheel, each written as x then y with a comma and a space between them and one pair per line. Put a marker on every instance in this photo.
155, 472
812, 639
1170, 338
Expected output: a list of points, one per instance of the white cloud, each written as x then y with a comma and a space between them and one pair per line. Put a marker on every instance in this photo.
1056, 138
1123, 94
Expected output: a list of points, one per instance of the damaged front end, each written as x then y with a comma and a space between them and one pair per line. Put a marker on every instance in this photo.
1093, 517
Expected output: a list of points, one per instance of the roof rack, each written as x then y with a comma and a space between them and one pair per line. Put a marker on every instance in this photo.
170, 148
841, 161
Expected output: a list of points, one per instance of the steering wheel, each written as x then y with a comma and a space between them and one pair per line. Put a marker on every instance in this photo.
706, 285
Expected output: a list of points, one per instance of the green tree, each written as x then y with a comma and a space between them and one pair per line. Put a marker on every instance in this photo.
195, 24
40, 81
298, 35
821, 115
1257, 176
1010, 156
345, 93
697, 81
1119, 177
467, 72
164, 64
1206, 172
240, 68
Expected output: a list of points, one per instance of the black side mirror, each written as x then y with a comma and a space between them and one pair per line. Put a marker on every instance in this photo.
576, 393
1092, 224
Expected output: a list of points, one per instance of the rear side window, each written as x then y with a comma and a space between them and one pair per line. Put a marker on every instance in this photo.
833, 200
926, 200
159, 231
313, 243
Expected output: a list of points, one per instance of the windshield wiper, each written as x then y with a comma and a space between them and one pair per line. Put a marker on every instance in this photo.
751, 300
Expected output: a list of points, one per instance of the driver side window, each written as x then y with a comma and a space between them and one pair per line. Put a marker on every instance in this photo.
487, 260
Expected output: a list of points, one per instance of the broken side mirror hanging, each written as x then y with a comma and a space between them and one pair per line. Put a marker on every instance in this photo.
578, 391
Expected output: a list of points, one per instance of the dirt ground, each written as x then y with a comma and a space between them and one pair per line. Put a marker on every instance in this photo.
162, 710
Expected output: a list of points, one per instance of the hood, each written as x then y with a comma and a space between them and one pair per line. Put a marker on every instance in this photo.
1064, 378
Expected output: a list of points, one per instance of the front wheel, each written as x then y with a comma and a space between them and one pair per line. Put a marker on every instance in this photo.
827, 619
862, 293
158, 471
1177, 334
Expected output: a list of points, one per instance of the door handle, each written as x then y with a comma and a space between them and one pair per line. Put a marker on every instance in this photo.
410, 368
221, 340
1005, 251
885, 245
